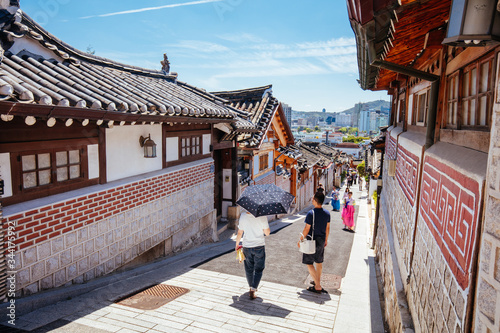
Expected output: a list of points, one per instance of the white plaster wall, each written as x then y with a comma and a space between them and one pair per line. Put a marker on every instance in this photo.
125, 156
255, 165
172, 149
271, 159
93, 157
5, 174
410, 108
32, 46
206, 143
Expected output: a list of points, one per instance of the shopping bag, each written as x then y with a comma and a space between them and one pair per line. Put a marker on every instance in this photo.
307, 246
239, 254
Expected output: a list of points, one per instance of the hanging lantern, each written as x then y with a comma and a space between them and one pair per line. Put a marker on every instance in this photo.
473, 23
148, 145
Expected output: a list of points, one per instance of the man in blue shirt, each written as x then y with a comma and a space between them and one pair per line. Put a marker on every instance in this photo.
321, 219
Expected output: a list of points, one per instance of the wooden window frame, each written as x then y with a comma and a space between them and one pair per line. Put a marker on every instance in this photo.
452, 101
20, 194
418, 110
185, 135
263, 162
472, 98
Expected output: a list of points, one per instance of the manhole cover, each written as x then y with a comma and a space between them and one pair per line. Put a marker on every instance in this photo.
328, 281
153, 297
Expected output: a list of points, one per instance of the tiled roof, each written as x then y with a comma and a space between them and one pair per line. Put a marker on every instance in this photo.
259, 104
307, 156
63, 76
347, 145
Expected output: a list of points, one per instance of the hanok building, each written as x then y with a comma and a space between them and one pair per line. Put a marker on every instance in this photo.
438, 238
103, 163
257, 157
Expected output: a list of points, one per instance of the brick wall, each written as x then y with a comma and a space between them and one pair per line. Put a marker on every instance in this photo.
283, 183
76, 240
269, 179
488, 291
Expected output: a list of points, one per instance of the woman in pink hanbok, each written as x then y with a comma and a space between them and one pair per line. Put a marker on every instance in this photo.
348, 213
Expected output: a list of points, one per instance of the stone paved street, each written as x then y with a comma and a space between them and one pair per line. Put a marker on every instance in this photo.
218, 301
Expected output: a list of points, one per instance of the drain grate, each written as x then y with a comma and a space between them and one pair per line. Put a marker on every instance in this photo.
328, 281
153, 297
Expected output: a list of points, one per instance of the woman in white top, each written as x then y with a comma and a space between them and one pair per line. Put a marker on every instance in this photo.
253, 229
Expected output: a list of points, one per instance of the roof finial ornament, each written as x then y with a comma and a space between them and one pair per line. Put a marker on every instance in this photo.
165, 64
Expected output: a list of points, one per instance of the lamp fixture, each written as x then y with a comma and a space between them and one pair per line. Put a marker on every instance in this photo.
473, 23
148, 145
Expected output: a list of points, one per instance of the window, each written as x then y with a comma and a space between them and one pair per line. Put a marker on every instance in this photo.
49, 168
420, 107
263, 162
470, 95
190, 146
452, 101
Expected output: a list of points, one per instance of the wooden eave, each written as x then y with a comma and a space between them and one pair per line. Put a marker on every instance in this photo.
415, 20
281, 128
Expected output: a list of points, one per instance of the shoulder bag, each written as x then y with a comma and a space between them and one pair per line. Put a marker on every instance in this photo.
308, 246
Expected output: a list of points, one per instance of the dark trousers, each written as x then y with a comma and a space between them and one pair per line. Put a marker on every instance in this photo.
255, 262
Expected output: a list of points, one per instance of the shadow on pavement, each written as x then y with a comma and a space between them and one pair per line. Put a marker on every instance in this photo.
258, 307
313, 297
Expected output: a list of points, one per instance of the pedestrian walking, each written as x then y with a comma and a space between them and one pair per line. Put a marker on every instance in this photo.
253, 229
320, 219
348, 213
320, 188
335, 199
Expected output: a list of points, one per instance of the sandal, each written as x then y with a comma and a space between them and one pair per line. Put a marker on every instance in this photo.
312, 289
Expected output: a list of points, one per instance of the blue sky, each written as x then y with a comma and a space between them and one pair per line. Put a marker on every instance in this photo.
305, 49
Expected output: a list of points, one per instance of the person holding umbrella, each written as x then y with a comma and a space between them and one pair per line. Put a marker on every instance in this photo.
253, 229
258, 201
320, 219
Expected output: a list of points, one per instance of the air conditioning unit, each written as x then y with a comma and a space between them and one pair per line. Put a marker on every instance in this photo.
391, 168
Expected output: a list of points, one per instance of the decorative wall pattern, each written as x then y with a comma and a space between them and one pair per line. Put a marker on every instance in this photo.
391, 148
450, 206
407, 173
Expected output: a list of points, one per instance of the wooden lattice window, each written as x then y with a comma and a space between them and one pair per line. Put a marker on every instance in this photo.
452, 101
421, 107
50, 168
263, 162
190, 146
470, 95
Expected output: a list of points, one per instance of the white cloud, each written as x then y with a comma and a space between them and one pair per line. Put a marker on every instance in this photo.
152, 8
242, 38
200, 46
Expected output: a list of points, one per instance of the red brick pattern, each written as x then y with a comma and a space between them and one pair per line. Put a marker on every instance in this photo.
450, 207
283, 183
391, 148
266, 180
407, 173
38, 225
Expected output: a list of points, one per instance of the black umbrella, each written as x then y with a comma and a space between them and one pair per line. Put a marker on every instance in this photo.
266, 199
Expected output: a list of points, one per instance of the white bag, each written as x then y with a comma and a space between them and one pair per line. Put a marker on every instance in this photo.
308, 246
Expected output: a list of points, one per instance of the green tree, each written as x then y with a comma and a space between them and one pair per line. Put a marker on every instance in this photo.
343, 130
300, 129
308, 130
353, 130
317, 129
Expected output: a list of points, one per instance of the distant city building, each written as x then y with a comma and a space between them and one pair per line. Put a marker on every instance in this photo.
324, 110
364, 121
302, 122
343, 120
288, 112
